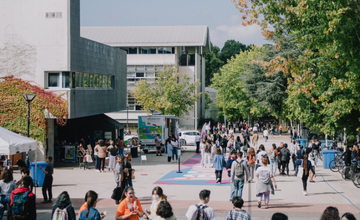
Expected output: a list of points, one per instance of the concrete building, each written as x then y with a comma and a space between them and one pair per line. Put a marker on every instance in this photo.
149, 50
212, 112
40, 42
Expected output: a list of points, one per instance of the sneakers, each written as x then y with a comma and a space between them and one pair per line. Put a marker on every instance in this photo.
305, 193
97, 171
259, 204
217, 180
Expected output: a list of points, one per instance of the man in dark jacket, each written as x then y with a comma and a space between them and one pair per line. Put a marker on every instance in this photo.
285, 158
279, 156
24, 188
223, 144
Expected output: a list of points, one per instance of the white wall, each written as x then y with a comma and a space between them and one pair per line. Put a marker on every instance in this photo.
151, 59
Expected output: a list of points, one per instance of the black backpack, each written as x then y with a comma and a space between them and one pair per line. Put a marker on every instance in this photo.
200, 213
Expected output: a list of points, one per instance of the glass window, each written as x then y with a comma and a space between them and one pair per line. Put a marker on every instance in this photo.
100, 81
148, 50
132, 50
87, 80
165, 50
96, 81
105, 83
191, 60
139, 74
66, 80
79, 79
138, 107
91, 80
53, 80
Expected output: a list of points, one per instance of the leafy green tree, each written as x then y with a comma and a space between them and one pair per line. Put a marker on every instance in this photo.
324, 79
231, 47
208, 101
212, 64
172, 94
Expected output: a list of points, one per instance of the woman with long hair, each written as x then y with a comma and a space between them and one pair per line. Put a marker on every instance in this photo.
157, 197
250, 157
273, 158
91, 213
264, 183
207, 154
129, 207
306, 172
202, 151
113, 153
330, 213
88, 194
102, 151
63, 203
218, 165
7, 185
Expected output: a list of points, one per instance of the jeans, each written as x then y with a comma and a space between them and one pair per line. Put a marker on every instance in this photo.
175, 152
100, 161
197, 147
207, 159
223, 150
271, 134
297, 164
232, 191
273, 166
5, 201
218, 175
47, 186
121, 151
266, 138
316, 156
202, 162
238, 187
245, 152
95, 161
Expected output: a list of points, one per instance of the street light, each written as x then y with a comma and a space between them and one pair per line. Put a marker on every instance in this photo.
152, 110
127, 117
28, 98
249, 117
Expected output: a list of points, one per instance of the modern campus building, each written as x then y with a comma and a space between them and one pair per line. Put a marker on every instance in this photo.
150, 50
43, 37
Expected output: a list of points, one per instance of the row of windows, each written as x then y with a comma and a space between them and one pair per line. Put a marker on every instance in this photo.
149, 50
80, 80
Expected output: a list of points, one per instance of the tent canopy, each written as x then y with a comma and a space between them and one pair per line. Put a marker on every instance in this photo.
13, 143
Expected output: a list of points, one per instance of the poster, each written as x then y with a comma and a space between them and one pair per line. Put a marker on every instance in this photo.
108, 135
98, 134
69, 152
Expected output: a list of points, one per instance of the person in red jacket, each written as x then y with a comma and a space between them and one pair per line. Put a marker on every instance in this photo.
31, 204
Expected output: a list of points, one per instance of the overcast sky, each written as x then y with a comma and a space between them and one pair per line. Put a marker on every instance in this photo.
223, 19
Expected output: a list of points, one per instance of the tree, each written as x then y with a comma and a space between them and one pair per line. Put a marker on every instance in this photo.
212, 64
13, 108
231, 47
324, 79
172, 94
232, 97
208, 101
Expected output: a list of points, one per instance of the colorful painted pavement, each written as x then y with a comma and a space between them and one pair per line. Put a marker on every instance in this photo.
193, 174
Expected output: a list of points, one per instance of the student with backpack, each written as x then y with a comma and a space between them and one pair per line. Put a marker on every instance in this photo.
48, 181
23, 201
237, 213
201, 211
273, 158
63, 209
285, 158
238, 170
7, 185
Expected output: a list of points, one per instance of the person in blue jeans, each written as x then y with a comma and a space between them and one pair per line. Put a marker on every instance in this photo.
299, 159
228, 168
238, 181
175, 145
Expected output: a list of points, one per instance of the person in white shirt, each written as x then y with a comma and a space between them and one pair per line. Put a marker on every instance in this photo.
262, 153
197, 141
231, 132
266, 133
204, 196
202, 151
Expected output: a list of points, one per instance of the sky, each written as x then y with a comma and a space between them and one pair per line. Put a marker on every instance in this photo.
223, 19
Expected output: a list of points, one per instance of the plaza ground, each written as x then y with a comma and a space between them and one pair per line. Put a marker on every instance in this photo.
182, 189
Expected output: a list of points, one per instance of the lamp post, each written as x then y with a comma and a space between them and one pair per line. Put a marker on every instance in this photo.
28, 98
249, 117
152, 110
127, 117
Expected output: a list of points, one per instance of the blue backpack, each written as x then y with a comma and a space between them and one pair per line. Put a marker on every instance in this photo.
20, 205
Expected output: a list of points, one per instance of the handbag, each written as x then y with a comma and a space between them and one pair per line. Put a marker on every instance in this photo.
117, 192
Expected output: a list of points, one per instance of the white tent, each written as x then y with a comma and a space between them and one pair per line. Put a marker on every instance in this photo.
12, 143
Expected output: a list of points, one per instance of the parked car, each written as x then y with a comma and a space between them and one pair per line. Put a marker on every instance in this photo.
188, 137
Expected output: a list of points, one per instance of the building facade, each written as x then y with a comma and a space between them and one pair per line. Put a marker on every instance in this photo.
40, 42
150, 50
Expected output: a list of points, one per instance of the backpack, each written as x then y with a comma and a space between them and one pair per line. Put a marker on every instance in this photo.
272, 155
239, 168
21, 204
60, 214
207, 149
200, 213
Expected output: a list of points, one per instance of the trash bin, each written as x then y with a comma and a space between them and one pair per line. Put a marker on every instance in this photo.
328, 156
40, 175
134, 152
302, 142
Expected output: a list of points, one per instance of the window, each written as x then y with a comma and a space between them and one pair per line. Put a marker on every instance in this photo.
140, 75
96, 81
110, 82
53, 80
191, 60
147, 50
166, 50
132, 50
87, 80
65, 80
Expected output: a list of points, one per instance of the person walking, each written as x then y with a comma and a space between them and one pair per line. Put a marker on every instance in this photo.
279, 156
285, 158
273, 159
266, 133
265, 183
202, 151
299, 158
316, 147
238, 170
311, 157
47, 185
102, 151
129, 207
175, 145
223, 143
129, 170
158, 145
228, 168
23, 213
113, 153
218, 165
204, 196
246, 145
237, 213
238, 144
121, 147
169, 150
255, 139
119, 174
261, 154
63, 203
197, 141
207, 154
307, 168
96, 157
251, 158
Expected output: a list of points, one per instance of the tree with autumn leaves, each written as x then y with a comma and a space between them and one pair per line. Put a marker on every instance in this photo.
323, 82
13, 108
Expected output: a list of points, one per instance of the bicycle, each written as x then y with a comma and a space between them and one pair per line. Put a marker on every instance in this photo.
336, 163
349, 172
356, 180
